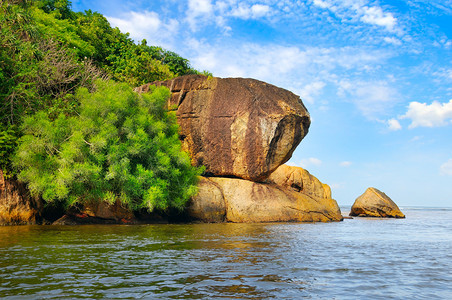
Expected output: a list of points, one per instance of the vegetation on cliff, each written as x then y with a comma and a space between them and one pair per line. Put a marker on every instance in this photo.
120, 146
81, 136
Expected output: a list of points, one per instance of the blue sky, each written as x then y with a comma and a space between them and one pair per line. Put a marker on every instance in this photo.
376, 77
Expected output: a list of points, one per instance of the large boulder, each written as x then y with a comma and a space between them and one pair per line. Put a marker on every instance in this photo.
236, 127
374, 203
17, 207
236, 200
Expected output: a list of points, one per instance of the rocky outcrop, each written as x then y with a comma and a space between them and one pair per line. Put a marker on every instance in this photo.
300, 180
236, 200
374, 203
242, 131
17, 207
234, 126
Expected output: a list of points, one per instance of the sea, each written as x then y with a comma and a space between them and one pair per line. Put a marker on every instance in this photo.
360, 258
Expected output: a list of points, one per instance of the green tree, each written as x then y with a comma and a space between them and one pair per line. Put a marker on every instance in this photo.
47, 51
61, 9
121, 146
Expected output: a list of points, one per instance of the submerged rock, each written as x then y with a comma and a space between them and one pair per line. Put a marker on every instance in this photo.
237, 200
374, 203
235, 126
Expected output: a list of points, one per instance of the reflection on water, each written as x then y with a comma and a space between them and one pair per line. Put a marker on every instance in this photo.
355, 258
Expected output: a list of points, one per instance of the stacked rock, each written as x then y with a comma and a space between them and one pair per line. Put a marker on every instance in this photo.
242, 130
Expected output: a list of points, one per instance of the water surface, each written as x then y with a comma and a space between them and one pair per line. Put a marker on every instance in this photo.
358, 259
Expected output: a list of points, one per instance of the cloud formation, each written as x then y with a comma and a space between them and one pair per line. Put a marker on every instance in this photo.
345, 164
146, 25
359, 10
198, 10
376, 16
372, 98
446, 168
429, 115
394, 125
250, 12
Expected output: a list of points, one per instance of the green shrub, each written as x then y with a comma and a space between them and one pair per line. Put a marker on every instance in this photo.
121, 146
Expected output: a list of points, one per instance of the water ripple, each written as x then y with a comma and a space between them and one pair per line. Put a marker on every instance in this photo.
359, 258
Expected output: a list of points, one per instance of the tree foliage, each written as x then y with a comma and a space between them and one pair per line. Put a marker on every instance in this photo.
76, 138
121, 146
47, 51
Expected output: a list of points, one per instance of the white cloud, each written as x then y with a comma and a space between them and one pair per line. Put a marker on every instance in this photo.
376, 16
444, 74
251, 12
392, 40
372, 98
359, 10
446, 168
307, 70
200, 7
433, 115
322, 4
250, 60
146, 25
312, 161
345, 164
309, 91
205, 11
198, 10
394, 125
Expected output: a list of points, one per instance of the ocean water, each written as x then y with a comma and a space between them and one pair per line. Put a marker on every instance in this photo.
361, 258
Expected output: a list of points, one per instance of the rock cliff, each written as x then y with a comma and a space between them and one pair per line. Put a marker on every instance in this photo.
234, 126
242, 131
16, 205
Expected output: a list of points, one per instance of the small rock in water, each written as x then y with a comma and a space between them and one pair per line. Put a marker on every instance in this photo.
374, 203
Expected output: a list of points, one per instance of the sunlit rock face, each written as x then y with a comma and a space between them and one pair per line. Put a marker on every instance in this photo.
300, 180
17, 207
374, 203
236, 127
290, 195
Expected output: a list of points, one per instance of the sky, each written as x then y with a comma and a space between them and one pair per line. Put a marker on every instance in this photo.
375, 76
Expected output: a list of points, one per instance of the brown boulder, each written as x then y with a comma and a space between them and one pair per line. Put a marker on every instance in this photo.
234, 126
209, 204
374, 203
300, 180
238, 200
17, 207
